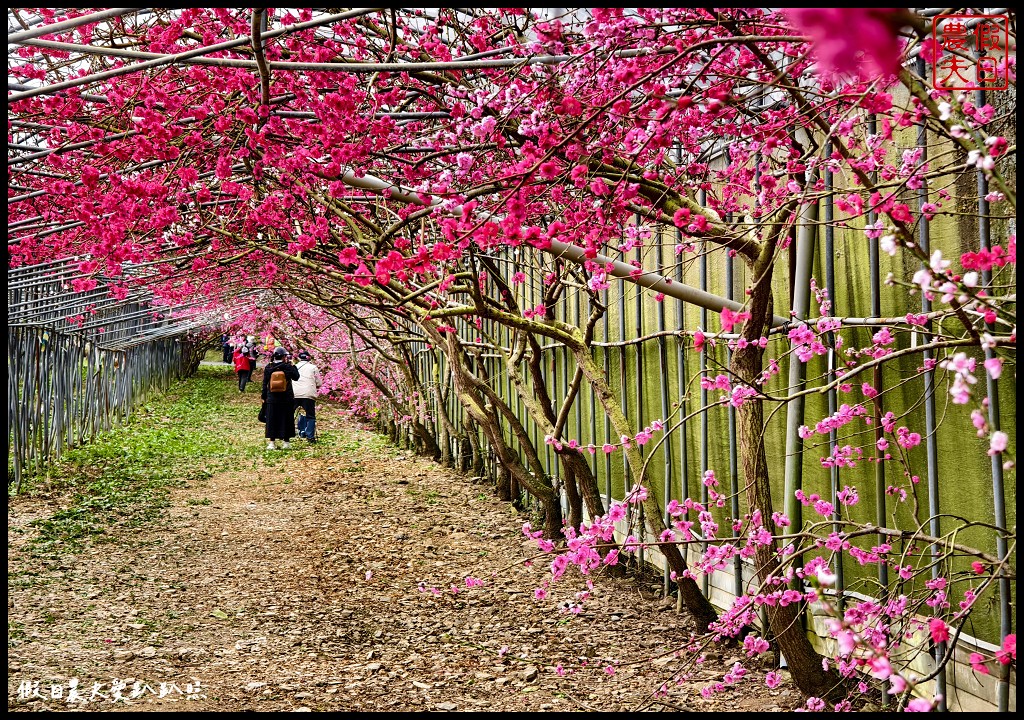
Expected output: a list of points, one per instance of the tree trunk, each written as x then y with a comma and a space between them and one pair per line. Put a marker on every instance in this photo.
478, 452
785, 624
425, 440
804, 662
572, 495
503, 484
589, 492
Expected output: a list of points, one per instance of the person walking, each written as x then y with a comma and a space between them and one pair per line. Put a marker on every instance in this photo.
244, 364
252, 349
226, 349
306, 389
279, 397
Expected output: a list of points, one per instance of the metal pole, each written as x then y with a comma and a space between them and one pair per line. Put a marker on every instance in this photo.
830, 286
16, 38
734, 479
607, 420
994, 422
806, 236
931, 440
626, 485
667, 473
684, 464
876, 310
654, 281
703, 267
640, 414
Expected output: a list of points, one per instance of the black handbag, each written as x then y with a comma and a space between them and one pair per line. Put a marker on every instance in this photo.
263, 412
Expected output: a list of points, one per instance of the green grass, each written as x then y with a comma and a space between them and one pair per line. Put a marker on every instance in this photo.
123, 478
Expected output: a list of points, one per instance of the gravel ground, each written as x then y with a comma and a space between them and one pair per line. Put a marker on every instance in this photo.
334, 579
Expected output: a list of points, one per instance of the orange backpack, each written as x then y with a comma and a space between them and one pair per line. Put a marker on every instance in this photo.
278, 381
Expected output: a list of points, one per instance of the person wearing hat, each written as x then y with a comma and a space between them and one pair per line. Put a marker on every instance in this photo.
279, 398
306, 388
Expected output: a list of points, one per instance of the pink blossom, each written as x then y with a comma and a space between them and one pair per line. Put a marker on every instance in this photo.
730, 319
825, 576
772, 679
939, 630
977, 661
919, 705
994, 366
861, 41
848, 496
847, 642
1009, 649
979, 422
883, 337
880, 667
698, 340
638, 495
897, 684
998, 442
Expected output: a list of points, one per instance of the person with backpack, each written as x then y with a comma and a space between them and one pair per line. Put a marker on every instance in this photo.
279, 399
306, 389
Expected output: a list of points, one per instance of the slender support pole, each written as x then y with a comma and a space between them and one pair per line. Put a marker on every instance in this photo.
994, 423
931, 440
876, 310
734, 471
626, 476
639, 383
830, 286
703, 272
607, 420
667, 473
805, 248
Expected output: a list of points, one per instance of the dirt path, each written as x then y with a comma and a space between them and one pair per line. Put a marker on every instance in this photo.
306, 582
